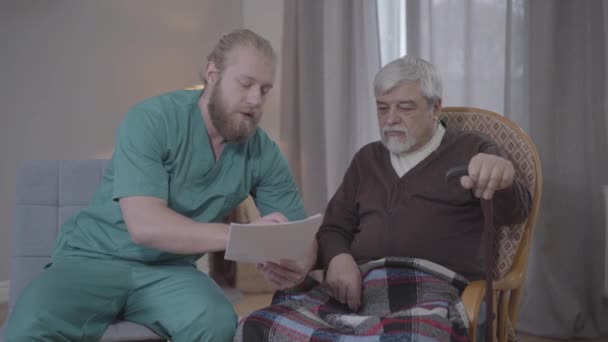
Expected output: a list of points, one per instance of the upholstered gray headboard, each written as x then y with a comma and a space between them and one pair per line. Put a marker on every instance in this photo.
47, 193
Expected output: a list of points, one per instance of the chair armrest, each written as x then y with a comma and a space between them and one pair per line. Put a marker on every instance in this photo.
472, 297
511, 280
246, 212
515, 277
224, 272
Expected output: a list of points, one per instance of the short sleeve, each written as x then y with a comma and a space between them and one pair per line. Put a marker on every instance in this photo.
138, 156
276, 190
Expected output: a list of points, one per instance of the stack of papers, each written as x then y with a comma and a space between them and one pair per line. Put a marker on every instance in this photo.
271, 242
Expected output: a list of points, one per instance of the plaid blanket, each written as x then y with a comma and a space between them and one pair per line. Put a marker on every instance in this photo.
403, 299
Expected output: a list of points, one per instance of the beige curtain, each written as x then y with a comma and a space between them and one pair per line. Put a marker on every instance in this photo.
330, 55
541, 63
567, 51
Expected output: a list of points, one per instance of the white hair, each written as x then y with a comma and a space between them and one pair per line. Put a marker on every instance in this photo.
409, 69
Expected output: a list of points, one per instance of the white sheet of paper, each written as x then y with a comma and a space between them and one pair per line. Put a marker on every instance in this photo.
271, 242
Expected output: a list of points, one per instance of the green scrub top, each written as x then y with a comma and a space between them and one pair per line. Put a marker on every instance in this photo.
163, 150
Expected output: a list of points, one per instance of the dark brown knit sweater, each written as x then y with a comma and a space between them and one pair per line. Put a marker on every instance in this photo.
375, 214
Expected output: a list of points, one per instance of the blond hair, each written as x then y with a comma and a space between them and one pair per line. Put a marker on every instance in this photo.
241, 37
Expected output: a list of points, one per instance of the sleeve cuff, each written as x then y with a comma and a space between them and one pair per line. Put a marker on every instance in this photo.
330, 245
158, 193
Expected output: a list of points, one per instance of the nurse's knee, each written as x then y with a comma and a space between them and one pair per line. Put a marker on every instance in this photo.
40, 313
223, 324
28, 325
217, 323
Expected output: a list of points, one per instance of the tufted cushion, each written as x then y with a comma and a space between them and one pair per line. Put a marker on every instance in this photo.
47, 192
511, 140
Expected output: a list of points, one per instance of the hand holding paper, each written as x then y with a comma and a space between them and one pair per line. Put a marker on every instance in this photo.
271, 242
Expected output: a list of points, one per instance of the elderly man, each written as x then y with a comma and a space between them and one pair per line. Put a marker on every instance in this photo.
398, 242
182, 161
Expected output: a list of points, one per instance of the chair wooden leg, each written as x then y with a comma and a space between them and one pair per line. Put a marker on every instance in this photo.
472, 298
503, 316
514, 301
221, 270
495, 310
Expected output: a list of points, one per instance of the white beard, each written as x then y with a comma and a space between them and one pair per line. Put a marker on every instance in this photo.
395, 144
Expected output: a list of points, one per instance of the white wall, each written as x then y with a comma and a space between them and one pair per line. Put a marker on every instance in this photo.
266, 18
70, 69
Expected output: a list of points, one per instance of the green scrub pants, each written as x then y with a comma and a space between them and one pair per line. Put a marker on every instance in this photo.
76, 298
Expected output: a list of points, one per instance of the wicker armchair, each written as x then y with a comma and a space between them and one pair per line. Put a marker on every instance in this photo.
512, 243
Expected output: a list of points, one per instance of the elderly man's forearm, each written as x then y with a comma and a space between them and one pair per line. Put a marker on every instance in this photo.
330, 244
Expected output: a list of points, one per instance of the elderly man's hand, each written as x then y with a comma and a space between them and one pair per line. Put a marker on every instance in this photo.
487, 174
344, 280
289, 273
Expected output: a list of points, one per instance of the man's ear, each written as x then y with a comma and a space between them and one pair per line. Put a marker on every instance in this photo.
212, 73
436, 109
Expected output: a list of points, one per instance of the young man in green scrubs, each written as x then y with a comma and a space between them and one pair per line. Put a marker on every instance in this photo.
181, 162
